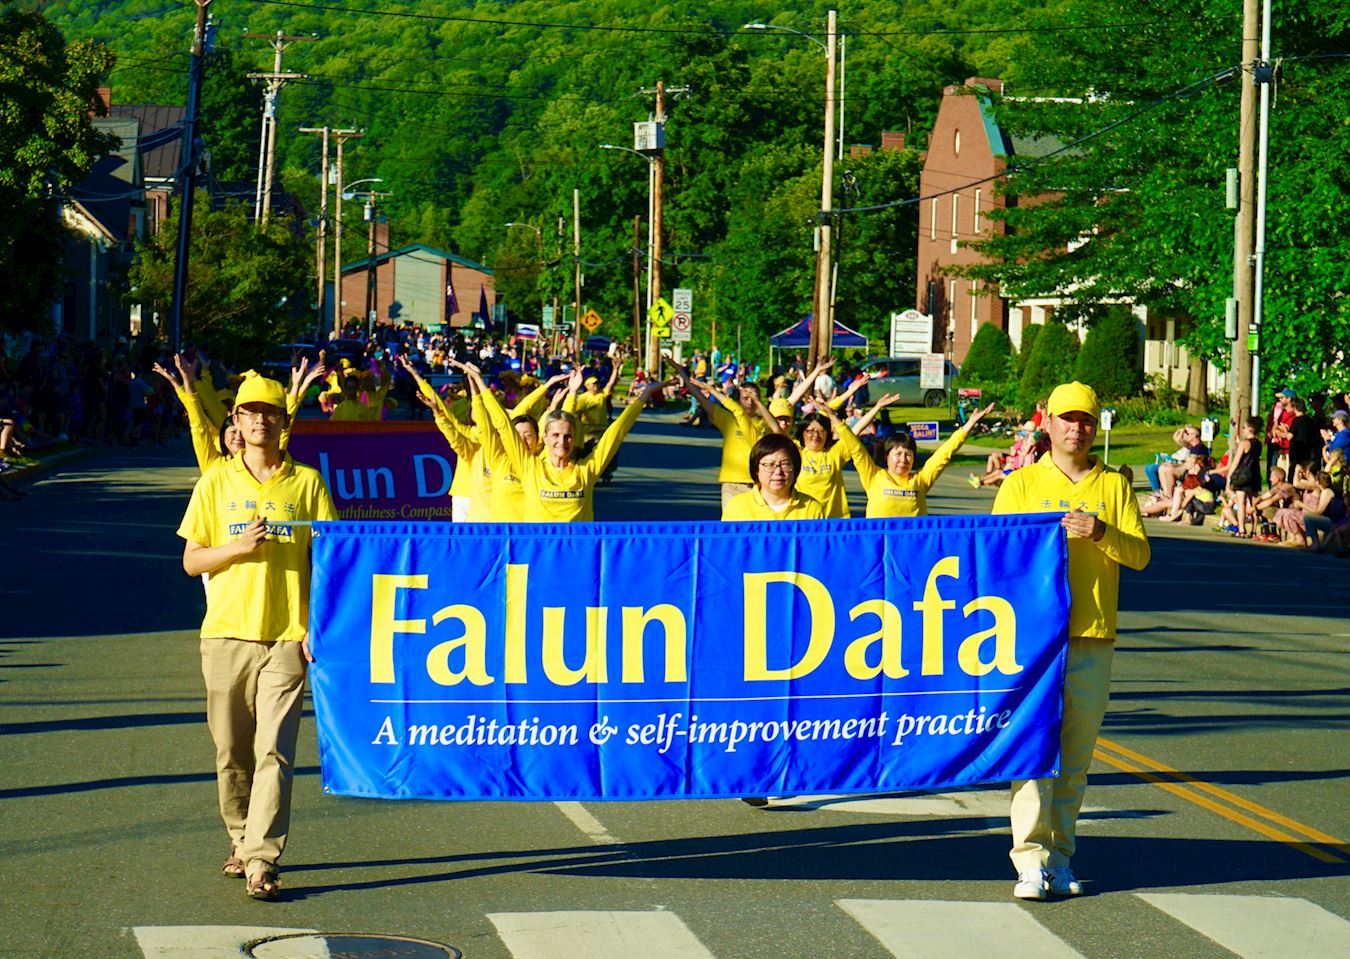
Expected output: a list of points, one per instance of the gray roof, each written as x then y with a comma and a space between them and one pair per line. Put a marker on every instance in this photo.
162, 150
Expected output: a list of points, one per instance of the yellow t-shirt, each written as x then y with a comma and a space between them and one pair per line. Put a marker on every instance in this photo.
739, 434
263, 597
554, 495
472, 479
506, 499
355, 410
889, 495
750, 505
822, 479
1094, 568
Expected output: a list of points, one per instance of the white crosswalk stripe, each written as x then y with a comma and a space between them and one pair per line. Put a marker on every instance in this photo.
930, 929
1260, 927
200, 942
597, 935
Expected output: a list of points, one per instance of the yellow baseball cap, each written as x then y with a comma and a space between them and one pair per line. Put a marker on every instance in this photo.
591, 379
257, 388
780, 407
1073, 397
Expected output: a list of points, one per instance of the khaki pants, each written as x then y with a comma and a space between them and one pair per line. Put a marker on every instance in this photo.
253, 702
1044, 812
731, 490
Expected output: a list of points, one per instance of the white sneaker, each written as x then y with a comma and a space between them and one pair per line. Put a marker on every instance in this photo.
1031, 884
1063, 882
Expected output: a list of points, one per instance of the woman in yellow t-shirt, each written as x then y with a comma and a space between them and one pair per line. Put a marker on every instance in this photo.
896, 490
775, 463
821, 475
557, 489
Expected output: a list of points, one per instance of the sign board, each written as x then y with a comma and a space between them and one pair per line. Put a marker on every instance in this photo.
970, 393
1105, 421
527, 331
682, 300
660, 316
923, 431
548, 317
911, 332
932, 372
681, 327
591, 320
1207, 430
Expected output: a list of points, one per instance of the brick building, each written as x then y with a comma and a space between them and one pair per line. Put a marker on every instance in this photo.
414, 284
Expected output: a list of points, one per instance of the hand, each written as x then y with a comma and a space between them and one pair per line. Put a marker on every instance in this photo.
656, 387
1083, 525
427, 401
574, 380
253, 536
173, 380
890, 399
304, 648
977, 416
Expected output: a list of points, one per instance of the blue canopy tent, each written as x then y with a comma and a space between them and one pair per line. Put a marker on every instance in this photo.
798, 335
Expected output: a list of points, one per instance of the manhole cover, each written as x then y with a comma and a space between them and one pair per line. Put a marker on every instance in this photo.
347, 945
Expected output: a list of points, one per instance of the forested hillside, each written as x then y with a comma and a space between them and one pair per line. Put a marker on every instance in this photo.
479, 115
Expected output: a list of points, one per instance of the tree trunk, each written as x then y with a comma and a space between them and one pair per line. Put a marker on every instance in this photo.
1197, 397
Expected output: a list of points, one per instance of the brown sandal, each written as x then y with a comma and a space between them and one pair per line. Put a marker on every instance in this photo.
266, 887
233, 867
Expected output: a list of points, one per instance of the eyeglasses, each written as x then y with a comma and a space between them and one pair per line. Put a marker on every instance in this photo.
782, 469
265, 416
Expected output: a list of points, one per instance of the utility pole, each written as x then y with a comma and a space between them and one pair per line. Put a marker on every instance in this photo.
657, 171
201, 40
637, 283
576, 269
341, 136
262, 204
822, 327
1240, 393
321, 244
372, 218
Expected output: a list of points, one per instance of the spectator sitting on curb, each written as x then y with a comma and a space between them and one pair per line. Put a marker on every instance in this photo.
1163, 474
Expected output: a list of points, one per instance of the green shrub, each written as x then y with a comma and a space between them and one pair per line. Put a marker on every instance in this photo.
1029, 334
988, 358
1050, 363
1109, 361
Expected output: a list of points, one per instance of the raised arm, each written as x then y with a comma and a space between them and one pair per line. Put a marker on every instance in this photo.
804, 386
890, 399
205, 437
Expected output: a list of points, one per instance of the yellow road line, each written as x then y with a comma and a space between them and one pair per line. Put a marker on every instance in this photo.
1192, 789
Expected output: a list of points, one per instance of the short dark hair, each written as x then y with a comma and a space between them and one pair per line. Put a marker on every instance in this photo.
818, 419
774, 443
900, 438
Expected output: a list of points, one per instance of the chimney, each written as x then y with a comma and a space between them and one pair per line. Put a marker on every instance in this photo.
893, 140
101, 104
859, 149
992, 84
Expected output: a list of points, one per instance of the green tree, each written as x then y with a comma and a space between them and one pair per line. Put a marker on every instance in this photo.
989, 357
47, 144
1029, 334
246, 286
1111, 360
1050, 364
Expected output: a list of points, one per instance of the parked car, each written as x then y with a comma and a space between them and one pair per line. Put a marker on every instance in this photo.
278, 365
900, 374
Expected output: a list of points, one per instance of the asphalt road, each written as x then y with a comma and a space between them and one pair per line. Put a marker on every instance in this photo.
1215, 825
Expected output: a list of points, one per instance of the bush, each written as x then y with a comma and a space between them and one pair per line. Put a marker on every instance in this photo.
1050, 363
988, 358
1029, 334
1109, 361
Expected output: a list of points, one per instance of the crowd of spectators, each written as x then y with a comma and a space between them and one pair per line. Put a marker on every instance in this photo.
1283, 479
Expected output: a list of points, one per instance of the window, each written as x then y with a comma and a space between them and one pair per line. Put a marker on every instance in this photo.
974, 309
956, 143
951, 305
956, 203
977, 212
932, 221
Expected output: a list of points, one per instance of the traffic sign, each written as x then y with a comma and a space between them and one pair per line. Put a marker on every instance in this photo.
681, 327
660, 316
591, 320
683, 300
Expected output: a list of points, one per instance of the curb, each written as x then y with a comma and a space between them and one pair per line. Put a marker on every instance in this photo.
47, 463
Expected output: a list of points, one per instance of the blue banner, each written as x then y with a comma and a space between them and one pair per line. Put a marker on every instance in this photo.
691, 660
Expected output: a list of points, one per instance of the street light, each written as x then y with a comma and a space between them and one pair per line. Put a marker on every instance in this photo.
653, 239
822, 326
337, 246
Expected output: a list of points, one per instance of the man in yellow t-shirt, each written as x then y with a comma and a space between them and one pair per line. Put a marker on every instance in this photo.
248, 528
1106, 531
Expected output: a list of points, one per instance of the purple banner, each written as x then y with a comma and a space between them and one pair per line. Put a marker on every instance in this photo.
381, 471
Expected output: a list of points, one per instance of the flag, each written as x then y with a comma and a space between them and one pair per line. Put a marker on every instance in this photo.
527, 331
451, 301
483, 307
